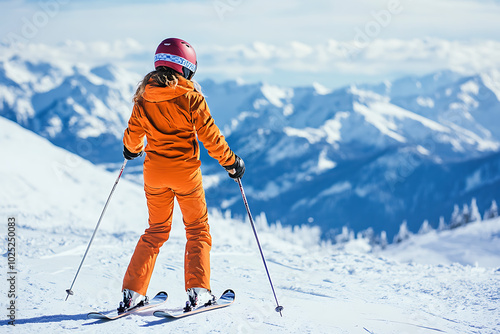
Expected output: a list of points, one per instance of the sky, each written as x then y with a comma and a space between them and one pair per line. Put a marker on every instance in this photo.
287, 43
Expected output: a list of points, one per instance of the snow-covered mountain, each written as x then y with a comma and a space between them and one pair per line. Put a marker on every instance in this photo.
56, 197
360, 156
366, 155
76, 107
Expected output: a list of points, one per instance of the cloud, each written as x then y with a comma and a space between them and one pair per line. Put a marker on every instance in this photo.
75, 52
332, 63
380, 56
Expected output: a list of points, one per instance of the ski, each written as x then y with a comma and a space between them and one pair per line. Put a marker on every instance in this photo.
225, 300
159, 299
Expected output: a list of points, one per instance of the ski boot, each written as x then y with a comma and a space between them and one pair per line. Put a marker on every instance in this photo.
198, 297
131, 299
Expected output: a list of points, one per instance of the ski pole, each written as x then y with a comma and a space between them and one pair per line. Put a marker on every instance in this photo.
278, 307
69, 291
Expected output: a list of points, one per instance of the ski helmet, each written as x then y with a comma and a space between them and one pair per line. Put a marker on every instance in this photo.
177, 54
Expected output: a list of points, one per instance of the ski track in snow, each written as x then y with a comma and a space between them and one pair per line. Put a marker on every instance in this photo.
323, 288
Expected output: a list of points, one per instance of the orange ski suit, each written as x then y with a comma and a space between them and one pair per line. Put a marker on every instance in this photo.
172, 118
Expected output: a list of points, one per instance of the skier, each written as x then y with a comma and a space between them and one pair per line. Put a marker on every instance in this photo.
172, 114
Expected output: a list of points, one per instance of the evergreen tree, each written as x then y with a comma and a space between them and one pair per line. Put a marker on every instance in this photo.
475, 216
403, 233
368, 234
465, 215
383, 239
456, 218
494, 209
442, 225
492, 212
346, 236
425, 228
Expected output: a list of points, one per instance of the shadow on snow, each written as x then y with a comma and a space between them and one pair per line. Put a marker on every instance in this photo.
46, 319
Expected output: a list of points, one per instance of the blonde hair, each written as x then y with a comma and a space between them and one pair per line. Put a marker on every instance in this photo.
162, 77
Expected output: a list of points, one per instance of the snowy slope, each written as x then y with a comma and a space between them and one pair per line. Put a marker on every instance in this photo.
323, 289
476, 244
52, 187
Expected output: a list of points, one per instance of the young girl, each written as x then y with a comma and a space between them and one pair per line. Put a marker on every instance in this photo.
173, 115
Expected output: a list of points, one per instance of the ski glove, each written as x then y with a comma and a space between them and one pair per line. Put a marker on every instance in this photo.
237, 169
129, 155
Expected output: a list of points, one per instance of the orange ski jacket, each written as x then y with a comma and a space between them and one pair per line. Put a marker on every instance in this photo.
172, 119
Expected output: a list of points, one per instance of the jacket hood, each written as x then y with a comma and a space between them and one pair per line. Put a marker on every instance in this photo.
154, 93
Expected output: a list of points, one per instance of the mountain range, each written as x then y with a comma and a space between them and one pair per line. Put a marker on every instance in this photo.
360, 156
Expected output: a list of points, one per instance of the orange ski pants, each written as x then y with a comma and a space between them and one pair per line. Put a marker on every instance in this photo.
161, 187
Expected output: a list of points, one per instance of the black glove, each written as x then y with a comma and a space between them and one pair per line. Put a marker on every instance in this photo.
237, 169
129, 155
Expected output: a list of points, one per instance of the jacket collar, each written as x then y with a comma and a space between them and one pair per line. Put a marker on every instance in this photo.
154, 93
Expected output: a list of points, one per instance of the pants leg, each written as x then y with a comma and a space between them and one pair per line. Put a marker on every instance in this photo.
160, 206
199, 242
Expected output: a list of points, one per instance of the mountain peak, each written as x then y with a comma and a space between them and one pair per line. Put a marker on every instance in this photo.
106, 72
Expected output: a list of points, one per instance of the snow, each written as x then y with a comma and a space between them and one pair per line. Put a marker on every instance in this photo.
320, 89
310, 134
385, 126
57, 198
43, 180
333, 126
423, 150
330, 131
468, 137
324, 163
276, 94
337, 188
476, 244
470, 87
425, 102
400, 113
55, 126
492, 81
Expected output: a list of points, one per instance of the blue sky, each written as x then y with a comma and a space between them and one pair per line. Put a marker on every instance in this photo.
292, 43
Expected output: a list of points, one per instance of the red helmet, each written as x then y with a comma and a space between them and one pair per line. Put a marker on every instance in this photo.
177, 54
